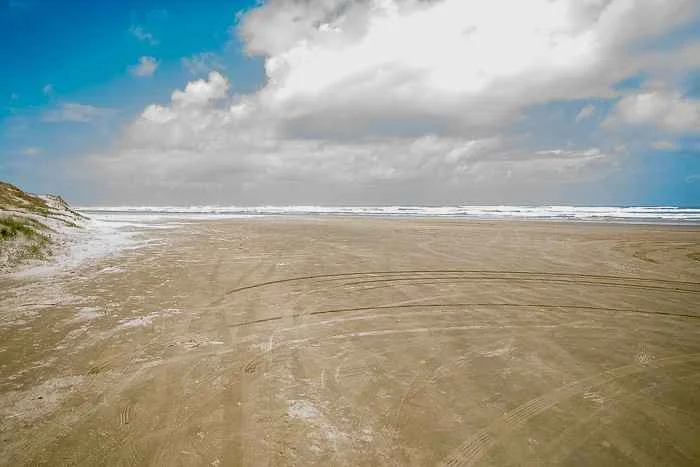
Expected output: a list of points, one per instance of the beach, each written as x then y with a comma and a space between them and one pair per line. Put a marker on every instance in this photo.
331, 340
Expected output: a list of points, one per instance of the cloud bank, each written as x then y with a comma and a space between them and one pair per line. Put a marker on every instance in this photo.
413, 100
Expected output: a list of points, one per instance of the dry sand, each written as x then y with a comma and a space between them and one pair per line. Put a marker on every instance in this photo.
324, 341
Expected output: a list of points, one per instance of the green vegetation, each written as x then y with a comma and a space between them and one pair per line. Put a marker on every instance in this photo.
10, 227
25, 221
21, 239
13, 197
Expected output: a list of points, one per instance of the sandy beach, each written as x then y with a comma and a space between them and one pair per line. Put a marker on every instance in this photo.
360, 341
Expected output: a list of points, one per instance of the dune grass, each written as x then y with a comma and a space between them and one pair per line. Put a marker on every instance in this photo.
22, 239
28, 224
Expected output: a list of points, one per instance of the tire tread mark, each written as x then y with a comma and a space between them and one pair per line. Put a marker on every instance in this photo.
440, 271
453, 305
522, 279
475, 447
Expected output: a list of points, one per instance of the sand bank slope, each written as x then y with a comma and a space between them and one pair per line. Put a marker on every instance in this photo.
32, 226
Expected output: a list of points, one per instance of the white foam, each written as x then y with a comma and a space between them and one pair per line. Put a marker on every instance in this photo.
642, 214
93, 240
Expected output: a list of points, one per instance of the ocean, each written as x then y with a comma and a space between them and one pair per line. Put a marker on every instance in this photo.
630, 214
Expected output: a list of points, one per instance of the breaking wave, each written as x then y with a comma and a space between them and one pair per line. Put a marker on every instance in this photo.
650, 214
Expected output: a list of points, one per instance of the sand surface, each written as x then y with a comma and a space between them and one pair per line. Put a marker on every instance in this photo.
329, 341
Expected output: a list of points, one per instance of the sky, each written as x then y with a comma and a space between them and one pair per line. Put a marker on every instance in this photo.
352, 102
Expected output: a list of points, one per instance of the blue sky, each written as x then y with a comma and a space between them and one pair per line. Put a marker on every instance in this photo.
58, 51
83, 49
233, 102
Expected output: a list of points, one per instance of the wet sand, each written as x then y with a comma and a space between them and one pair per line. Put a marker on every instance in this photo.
330, 341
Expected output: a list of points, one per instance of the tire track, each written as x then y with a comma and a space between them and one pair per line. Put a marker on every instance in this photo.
576, 435
235, 451
125, 415
549, 280
378, 274
571, 438
257, 359
418, 383
475, 447
467, 304
487, 438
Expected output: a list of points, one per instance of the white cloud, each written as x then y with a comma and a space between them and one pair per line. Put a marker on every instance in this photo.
141, 34
202, 64
146, 67
202, 92
585, 113
459, 64
411, 93
74, 112
204, 141
666, 110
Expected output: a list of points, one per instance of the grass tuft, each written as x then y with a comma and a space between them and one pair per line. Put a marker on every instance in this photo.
26, 224
11, 227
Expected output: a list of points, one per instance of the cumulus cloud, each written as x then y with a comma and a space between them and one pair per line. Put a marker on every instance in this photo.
457, 65
208, 142
74, 112
145, 68
409, 93
667, 110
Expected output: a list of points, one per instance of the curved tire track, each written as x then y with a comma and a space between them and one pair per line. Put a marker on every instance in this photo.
549, 280
456, 305
531, 274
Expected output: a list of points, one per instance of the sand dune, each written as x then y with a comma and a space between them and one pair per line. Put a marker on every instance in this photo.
331, 341
33, 227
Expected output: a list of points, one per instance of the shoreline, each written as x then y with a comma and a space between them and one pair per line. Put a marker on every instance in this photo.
641, 214
101, 237
153, 216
